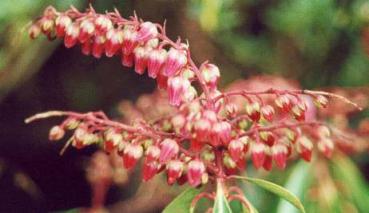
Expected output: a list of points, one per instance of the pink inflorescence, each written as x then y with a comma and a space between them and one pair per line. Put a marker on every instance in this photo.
206, 136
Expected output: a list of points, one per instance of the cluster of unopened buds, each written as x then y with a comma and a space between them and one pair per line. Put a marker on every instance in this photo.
208, 136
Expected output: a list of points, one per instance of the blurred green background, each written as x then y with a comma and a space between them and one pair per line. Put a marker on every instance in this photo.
319, 43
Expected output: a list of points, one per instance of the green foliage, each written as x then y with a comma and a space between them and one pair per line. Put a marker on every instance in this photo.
182, 203
298, 183
317, 42
221, 204
276, 189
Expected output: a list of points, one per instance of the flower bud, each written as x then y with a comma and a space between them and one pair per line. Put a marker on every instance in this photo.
258, 154
304, 147
229, 162
114, 39
211, 74
34, 31
155, 61
267, 112
98, 46
168, 150
103, 23
187, 73
61, 24
56, 133
149, 169
321, 101
279, 153
71, 35
231, 110
208, 155
195, 172
299, 111
47, 25
267, 137
220, 133
131, 154
127, 60
79, 137
129, 40
326, 146
112, 139
323, 132
178, 122
176, 87
152, 153
235, 149
71, 123
87, 29
176, 60
146, 32
152, 43
189, 94
253, 111
140, 60
174, 171
202, 128
284, 102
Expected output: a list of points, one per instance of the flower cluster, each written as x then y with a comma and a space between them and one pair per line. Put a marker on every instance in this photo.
200, 137
143, 45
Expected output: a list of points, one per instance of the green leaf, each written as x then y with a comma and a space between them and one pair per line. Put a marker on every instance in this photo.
345, 171
221, 204
182, 203
298, 182
276, 189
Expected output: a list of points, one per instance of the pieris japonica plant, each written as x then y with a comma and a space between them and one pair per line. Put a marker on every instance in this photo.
196, 133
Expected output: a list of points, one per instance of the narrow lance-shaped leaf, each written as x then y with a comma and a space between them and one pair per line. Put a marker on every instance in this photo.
276, 189
221, 204
298, 182
182, 203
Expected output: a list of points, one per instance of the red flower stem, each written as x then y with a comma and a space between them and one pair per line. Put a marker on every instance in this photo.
242, 199
91, 116
272, 91
219, 164
280, 126
196, 199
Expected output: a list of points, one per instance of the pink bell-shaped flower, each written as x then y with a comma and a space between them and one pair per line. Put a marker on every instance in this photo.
235, 149
129, 40
87, 29
220, 133
176, 60
258, 154
168, 150
195, 171
146, 32
114, 40
71, 35
155, 61
103, 23
279, 153
131, 154
140, 59
61, 24
211, 74
149, 169
304, 147
174, 171
177, 86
